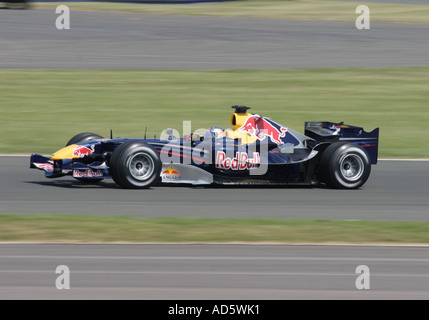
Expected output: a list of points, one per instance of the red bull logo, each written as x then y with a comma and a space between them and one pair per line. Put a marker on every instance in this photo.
87, 173
259, 127
241, 161
82, 151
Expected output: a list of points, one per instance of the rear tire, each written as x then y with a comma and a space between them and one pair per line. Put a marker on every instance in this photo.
135, 165
345, 165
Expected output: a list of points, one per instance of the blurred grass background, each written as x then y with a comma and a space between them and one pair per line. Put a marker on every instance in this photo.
42, 109
86, 228
272, 9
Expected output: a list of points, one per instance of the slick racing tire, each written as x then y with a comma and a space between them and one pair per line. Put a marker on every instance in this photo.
135, 165
82, 137
345, 165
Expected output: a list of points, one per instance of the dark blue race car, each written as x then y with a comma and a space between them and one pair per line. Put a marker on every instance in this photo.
257, 150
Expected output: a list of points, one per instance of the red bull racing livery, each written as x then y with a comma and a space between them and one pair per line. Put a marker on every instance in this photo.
256, 151
263, 128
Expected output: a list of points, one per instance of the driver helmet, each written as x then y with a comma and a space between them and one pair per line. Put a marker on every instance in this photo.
217, 132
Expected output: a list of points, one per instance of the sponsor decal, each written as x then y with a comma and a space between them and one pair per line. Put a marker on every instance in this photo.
87, 173
336, 128
170, 174
241, 161
45, 166
82, 151
261, 128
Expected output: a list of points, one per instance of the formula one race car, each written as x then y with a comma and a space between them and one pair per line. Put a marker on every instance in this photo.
256, 151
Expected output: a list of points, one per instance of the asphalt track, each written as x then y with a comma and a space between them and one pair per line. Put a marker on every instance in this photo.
30, 40
395, 191
215, 272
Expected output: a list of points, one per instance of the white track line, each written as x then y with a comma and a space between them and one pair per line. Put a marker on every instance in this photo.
216, 258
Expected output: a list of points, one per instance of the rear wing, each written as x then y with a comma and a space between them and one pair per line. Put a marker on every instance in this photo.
325, 131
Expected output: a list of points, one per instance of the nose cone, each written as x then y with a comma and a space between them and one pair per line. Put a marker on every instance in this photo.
65, 153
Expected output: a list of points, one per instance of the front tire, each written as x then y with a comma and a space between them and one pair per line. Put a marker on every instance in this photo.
82, 137
135, 165
345, 166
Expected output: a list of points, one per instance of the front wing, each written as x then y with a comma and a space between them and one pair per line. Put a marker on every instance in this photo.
59, 168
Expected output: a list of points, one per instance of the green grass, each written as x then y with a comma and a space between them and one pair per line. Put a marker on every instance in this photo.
40, 110
76, 228
275, 9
